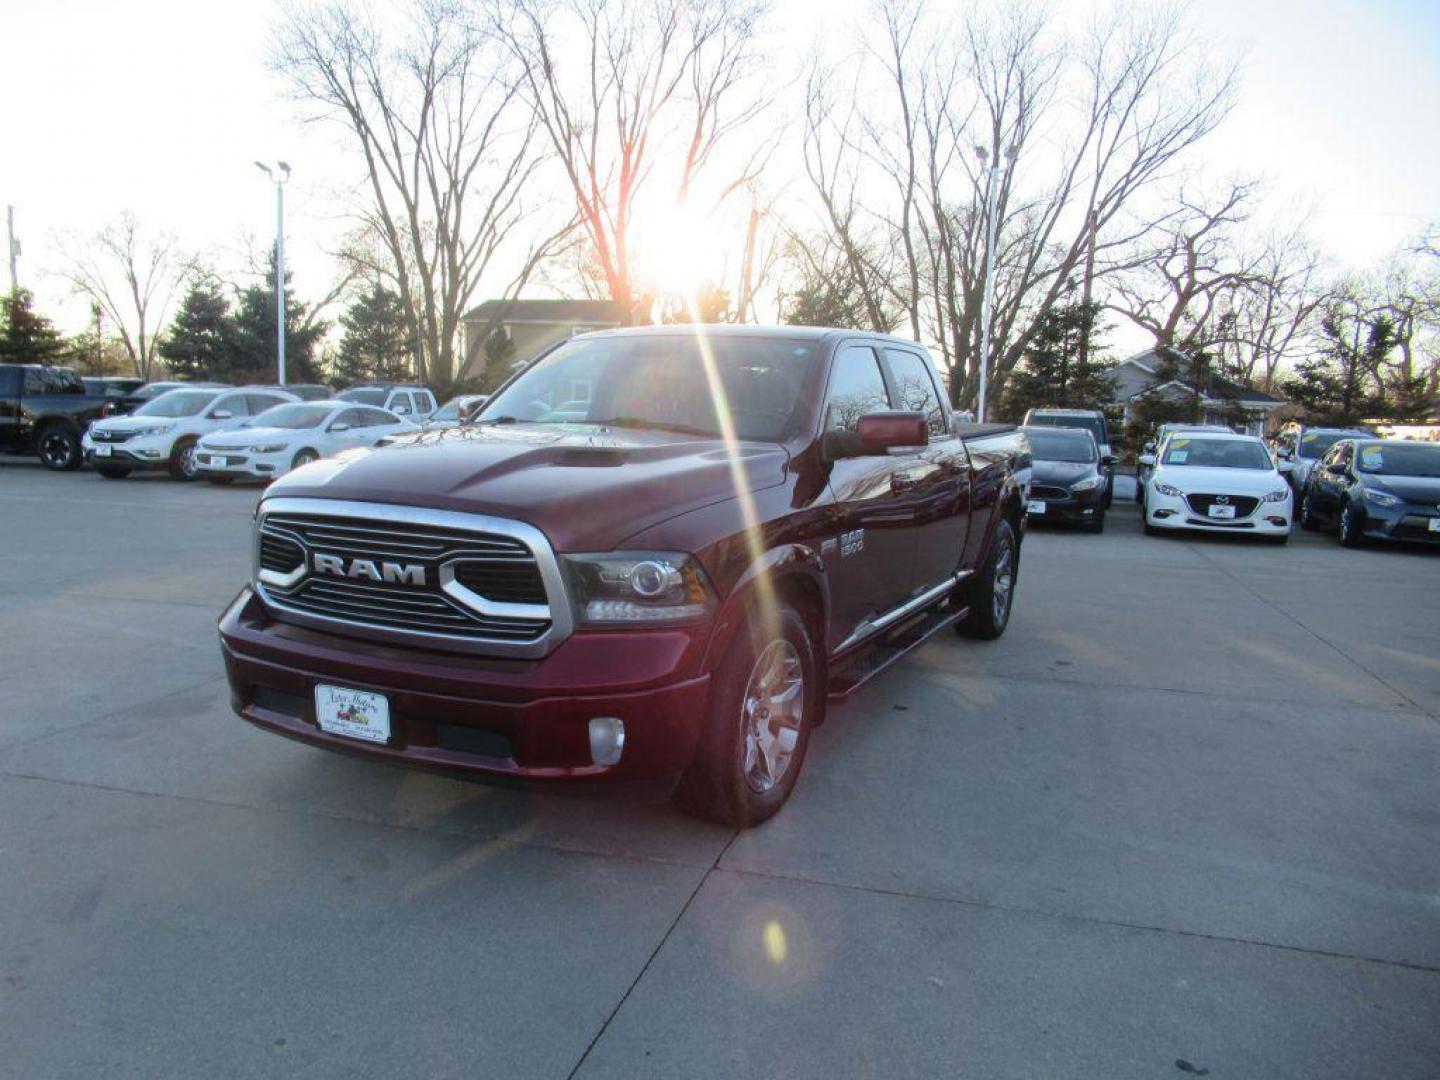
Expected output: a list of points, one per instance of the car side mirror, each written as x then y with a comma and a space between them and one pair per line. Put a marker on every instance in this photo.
1148, 448
1147, 460
1109, 460
221, 414
1285, 465
882, 431
338, 426
1336, 468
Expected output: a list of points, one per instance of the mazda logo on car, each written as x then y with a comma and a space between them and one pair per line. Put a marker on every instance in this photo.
391, 572
1223, 499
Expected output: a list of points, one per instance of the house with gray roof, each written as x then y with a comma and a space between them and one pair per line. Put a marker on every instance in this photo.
532, 326
1142, 375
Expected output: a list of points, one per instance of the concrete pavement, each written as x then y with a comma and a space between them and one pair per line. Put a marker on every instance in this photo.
1184, 811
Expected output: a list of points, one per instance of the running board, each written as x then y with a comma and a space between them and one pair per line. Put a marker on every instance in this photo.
855, 671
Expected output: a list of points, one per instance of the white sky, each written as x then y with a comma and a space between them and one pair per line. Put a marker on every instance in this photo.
160, 107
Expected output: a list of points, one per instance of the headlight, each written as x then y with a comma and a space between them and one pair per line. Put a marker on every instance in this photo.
1088, 484
629, 587
268, 448
1383, 498
158, 429
1166, 489
1278, 495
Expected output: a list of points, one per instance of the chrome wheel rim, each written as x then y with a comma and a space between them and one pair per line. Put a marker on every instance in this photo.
1346, 525
771, 713
1004, 582
54, 450
187, 461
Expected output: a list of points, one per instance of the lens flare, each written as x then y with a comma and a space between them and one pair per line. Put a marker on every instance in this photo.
776, 947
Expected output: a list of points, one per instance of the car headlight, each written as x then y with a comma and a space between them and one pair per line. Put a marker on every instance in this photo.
629, 587
158, 429
1166, 489
1383, 498
268, 448
1090, 483
1278, 495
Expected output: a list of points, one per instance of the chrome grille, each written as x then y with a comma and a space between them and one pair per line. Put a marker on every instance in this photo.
460, 581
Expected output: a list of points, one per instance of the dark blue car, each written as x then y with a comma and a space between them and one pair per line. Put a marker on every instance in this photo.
1376, 489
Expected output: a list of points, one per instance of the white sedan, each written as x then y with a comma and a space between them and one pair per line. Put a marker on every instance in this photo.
1208, 482
289, 436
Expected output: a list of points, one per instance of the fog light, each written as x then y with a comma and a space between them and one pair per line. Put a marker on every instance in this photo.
1277, 521
607, 739
1164, 513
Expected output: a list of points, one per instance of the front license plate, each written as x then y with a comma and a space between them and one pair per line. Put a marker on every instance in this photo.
1434, 525
356, 714
102, 451
1218, 511
1035, 506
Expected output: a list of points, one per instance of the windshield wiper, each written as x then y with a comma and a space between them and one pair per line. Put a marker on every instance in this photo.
641, 423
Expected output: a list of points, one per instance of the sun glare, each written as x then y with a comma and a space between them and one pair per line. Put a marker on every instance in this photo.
678, 250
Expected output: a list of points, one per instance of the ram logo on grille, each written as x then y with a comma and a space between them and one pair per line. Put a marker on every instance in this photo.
392, 572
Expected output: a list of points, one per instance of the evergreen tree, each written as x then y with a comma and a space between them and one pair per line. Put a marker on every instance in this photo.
376, 344
252, 329
1051, 372
1343, 383
27, 337
199, 344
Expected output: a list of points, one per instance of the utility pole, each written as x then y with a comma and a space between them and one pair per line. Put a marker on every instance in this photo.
992, 195
14, 249
279, 176
1084, 350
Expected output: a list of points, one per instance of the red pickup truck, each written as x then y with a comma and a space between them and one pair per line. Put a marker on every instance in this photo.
653, 557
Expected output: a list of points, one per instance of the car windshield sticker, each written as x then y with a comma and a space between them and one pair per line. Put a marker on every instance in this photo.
1372, 458
1179, 456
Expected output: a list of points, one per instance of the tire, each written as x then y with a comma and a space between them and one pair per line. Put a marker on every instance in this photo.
58, 447
1109, 493
215, 478
304, 457
992, 593
1308, 521
112, 472
732, 779
182, 461
1352, 533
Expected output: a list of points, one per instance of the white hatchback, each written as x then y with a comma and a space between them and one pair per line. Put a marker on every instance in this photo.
293, 435
1213, 482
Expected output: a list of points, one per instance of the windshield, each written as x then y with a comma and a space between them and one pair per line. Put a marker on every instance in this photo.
1058, 446
1093, 424
292, 416
1400, 459
1314, 446
1217, 454
450, 410
661, 383
365, 395
177, 403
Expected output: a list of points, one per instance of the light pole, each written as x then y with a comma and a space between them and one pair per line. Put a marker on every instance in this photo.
992, 193
279, 175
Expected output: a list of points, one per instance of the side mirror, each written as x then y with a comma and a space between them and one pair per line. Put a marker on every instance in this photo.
1148, 448
1109, 460
882, 431
1285, 465
221, 414
339, 426
1148, 460
1336, 468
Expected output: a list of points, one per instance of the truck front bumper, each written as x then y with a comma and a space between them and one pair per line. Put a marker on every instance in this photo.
518, 720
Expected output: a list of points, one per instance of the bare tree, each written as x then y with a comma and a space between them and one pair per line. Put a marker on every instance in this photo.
1081, 128
130, 276
1271, 316
632, 96
448, 144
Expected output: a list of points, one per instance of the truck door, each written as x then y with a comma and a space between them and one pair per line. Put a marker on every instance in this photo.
936, 477
869, 544
10, 381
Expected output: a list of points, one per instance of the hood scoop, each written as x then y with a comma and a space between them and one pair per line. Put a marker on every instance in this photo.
592, 457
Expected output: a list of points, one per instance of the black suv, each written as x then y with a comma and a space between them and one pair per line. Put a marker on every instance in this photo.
43, 411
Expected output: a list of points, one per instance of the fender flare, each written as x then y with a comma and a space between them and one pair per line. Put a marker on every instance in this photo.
779, 564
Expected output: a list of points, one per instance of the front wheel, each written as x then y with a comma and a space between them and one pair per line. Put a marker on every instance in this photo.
303, 458
182, 461
764, 701
1308, 521
993, 590
1352, 529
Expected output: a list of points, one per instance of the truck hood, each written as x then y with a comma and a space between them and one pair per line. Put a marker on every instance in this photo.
587, 489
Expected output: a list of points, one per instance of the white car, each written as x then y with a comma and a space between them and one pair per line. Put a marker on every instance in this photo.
411, 402
455, 412
293, 435
1213, 482
162, 433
